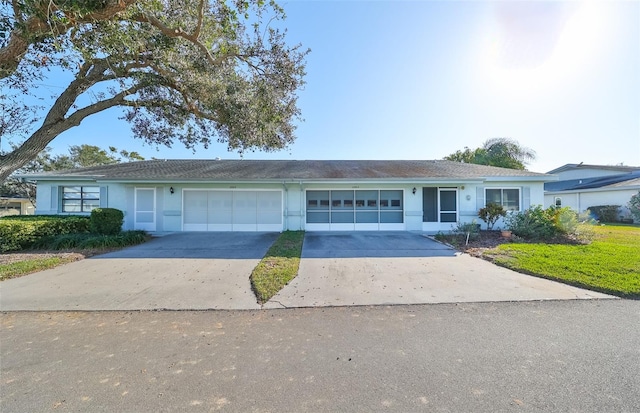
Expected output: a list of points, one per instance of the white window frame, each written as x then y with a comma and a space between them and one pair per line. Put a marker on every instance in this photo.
81, 199
379, 226
147, 226
441, 211
502, 188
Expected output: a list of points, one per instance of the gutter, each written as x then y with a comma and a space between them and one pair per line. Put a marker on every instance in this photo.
601, 189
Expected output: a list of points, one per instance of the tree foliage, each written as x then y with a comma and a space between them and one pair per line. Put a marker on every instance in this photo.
491, 213
502, 152
79, 156
634, 206
192, 71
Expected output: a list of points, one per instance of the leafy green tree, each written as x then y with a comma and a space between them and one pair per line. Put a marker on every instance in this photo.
192, 71
79, 156
502, 152
634, 206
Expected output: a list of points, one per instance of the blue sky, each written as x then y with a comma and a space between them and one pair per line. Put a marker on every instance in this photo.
419, 80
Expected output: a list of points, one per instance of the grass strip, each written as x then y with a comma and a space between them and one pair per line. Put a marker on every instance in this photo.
19, 268
278, 267
610, 264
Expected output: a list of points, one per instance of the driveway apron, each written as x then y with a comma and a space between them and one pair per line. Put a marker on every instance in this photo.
380, 268
176, 271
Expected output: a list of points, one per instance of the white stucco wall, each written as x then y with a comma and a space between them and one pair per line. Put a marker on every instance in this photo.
580, 201
169, 207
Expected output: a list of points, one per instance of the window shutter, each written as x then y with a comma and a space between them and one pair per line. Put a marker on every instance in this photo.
54, 198
526, 197
103, 197
479, 197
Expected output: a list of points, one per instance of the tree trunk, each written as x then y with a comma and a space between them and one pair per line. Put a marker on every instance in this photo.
30, 149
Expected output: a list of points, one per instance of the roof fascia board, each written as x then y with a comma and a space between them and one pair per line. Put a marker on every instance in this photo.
478, 180
601, 189
291, 181
539, 178
57, 178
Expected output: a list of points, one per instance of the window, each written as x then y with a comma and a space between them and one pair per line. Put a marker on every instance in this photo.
354, 206
80, 198
509, 198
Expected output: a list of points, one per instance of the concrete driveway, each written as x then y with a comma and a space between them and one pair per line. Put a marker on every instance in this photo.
376, 268
177, 271
202, 270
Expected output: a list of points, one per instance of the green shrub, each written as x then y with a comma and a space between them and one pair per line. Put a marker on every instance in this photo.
491, 213
606, 213
533, 223
470, 229
537, 223
106, 221
91, 241
634, 206
565, 220
17, 233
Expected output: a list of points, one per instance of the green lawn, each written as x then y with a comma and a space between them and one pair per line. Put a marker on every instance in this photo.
278, 267
16, 269
610, 264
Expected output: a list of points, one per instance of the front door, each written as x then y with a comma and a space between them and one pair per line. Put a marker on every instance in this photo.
448, 210
145, 215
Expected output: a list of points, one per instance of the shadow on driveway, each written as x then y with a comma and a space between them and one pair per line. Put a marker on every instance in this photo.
221, 245
384, 244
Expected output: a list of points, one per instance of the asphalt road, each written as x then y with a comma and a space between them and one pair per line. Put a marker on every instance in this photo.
560, 356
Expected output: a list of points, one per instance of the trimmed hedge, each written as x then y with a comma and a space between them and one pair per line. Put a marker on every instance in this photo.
606, 213
20, 232
82, 241
106, 221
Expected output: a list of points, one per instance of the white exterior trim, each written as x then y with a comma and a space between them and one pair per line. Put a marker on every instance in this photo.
234, 226
379, 226
145, 226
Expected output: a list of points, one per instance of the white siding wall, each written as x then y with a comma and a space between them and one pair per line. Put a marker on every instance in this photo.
581, 201
169, 206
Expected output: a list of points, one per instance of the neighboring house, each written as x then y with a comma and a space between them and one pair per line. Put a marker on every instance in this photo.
582, 186
15, 206
266, 195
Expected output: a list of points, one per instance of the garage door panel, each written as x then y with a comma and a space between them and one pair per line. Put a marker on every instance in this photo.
211, 210
269, 217
195, 199
269, 200
219, 200
220, 216
195, 209
220, 212
219, 227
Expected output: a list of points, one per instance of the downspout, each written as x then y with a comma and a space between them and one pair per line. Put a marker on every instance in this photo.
286, 206
302, 215
579, 206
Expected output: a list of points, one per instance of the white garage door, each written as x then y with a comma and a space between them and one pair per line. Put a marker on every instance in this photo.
232, 210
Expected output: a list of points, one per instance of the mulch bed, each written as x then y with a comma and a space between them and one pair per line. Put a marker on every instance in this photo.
477, 244
490, 239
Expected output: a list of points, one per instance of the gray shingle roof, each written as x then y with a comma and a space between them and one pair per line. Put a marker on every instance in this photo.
570, 166
250, 170
629, 179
